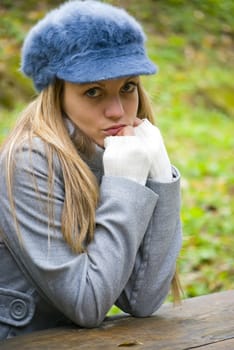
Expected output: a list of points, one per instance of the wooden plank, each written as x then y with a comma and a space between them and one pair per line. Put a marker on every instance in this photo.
198, 322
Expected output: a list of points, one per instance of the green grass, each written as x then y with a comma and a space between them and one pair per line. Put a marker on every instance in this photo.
192, 43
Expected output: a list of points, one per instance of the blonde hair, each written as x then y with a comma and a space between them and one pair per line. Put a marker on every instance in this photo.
44, 118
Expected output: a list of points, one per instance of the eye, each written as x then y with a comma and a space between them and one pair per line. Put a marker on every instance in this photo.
129, 87
93, 92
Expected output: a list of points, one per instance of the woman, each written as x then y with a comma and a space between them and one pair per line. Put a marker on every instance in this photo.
90, 205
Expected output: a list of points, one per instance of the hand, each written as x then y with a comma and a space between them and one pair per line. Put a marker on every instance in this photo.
129, 129
151, 137
125, 156
137, 122
126, 131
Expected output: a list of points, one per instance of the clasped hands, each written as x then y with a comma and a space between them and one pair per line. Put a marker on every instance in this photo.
137, 152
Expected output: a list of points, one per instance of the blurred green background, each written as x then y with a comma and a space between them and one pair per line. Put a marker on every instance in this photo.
193, 97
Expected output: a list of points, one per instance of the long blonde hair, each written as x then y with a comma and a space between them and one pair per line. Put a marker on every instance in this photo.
44, 118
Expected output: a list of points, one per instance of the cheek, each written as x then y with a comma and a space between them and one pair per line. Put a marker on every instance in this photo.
136, 105
133, 105
69, 103
72, 106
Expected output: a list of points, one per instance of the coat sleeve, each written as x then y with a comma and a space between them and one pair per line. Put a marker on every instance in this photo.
154, 268
82, 286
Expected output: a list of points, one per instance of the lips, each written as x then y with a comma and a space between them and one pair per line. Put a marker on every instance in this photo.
114, 130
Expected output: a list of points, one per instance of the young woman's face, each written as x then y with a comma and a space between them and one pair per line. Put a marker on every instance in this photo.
102, 108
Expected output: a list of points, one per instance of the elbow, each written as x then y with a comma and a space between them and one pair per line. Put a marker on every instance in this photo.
142, 311
91, 314
90, 321
145, 307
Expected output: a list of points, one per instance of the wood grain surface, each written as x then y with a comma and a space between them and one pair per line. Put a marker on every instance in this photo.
205, 322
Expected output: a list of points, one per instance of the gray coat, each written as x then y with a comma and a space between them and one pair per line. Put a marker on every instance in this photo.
130, 262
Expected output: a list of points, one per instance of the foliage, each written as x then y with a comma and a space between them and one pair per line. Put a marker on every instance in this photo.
192, 43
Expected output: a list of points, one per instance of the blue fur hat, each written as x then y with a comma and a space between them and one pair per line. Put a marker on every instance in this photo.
82, 42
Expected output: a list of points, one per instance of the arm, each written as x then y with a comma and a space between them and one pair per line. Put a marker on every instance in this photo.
155, 263
150, 281
82, 286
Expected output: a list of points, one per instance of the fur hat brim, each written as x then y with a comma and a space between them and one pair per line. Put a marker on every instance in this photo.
95, 69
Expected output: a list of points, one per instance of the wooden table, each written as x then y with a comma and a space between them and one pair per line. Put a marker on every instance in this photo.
205, 322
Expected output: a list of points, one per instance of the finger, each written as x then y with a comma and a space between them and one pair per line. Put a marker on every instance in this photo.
126, 131
137, 122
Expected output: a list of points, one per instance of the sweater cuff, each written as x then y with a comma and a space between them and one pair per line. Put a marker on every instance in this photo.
124, 156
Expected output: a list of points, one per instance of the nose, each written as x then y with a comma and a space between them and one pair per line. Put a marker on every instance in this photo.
114, 108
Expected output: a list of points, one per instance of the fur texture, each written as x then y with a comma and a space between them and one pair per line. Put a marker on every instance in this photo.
85, 41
